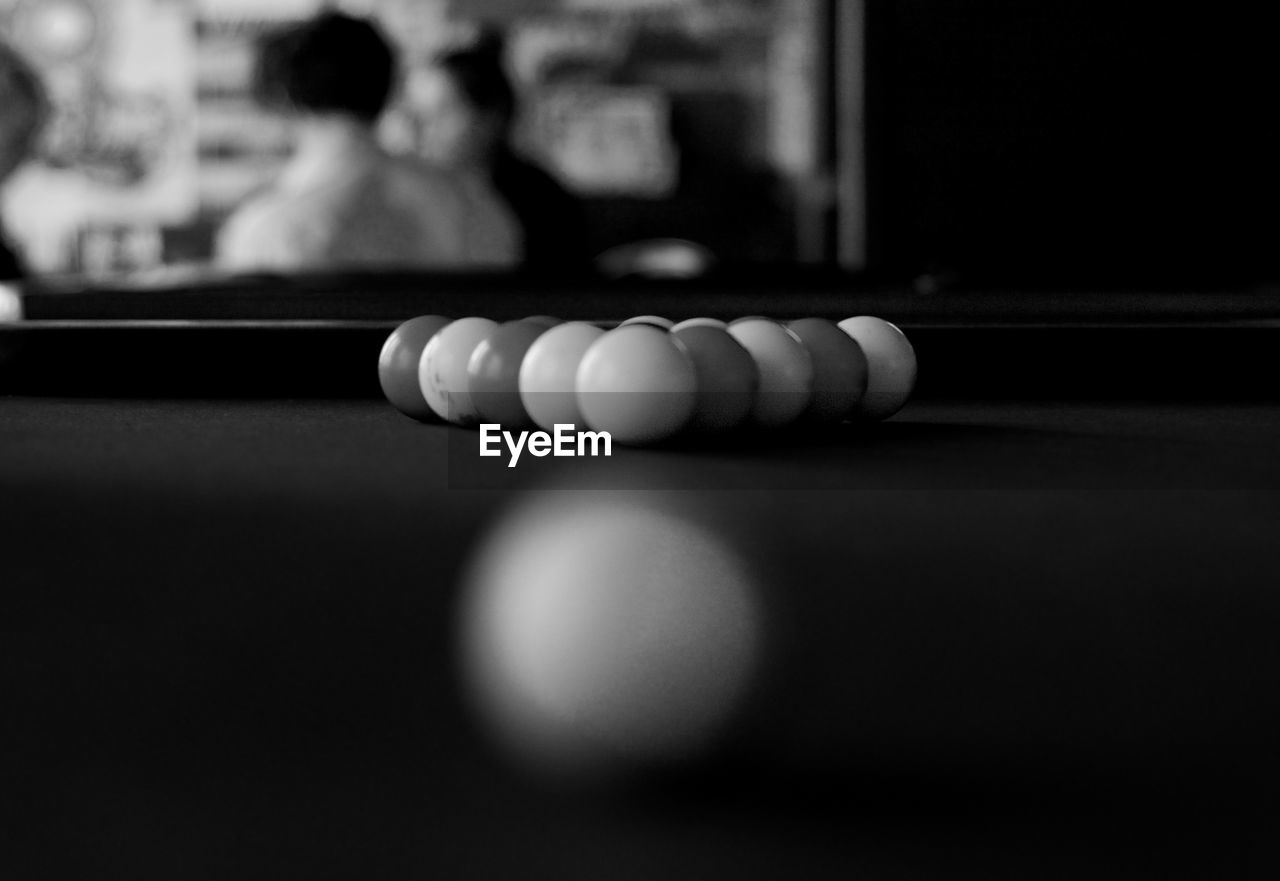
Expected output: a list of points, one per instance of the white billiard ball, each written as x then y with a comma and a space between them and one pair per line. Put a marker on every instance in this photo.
549, 372
605, 633
442, 372
638, 383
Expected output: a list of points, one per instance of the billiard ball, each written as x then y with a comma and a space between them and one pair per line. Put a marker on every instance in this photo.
606, 633
727, 376
398, 365
493, 374
839, 369
785, 366
638, 383
442, 372
891, 365
548, 375
650, 320
699, 322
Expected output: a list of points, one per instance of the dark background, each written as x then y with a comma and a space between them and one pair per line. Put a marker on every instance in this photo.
1080, 140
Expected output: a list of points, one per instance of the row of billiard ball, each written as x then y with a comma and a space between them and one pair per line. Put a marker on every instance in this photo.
647, 379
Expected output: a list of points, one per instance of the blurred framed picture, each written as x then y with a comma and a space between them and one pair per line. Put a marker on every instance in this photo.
608, 140
119, 148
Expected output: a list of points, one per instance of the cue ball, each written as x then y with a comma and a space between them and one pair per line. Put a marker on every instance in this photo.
839, 369
638, 383
493, 374
785, 366
548, 376
608, 633
442, 372
398, 365
727, 376
891, 365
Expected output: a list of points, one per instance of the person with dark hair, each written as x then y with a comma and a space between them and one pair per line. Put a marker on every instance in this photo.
470, 108
23, 109
343, 201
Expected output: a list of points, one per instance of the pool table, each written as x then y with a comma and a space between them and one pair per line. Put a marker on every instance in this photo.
1025, 628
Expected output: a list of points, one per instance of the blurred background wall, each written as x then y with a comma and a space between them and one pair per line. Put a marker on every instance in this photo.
955, 139
1089, 139
669, 119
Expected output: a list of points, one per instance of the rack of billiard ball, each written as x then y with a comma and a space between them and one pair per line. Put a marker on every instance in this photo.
647, 379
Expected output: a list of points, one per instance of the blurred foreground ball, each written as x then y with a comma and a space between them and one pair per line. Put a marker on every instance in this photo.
607, 634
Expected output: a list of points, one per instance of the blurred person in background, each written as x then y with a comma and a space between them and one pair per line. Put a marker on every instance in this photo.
342, 201
23, 110
470, 109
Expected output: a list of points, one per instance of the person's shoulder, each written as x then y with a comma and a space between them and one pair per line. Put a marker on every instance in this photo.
267, 231
421, 172
460, 203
